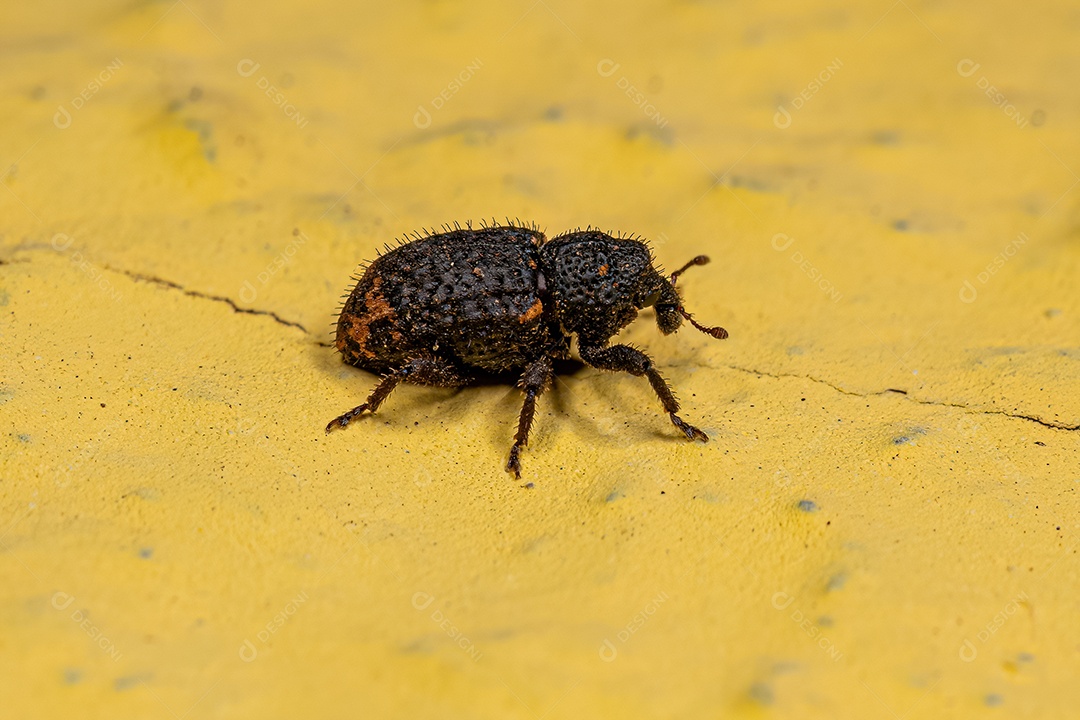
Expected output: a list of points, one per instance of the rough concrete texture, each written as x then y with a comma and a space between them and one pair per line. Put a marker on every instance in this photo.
884, 525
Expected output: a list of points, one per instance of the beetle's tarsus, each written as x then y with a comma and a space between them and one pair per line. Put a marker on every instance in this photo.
343, 420
514, 463
691, 432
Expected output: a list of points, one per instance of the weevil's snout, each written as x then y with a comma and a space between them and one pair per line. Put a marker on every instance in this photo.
669, 309
657, 292
668, 319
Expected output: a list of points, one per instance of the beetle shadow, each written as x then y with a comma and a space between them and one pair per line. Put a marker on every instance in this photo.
424, 404
555, 406
488, 379
624, 411
509, 404
449, 405
553, 409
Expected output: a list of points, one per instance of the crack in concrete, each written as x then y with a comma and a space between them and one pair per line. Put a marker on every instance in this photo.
206, 296
144, 277
162, 282
903, 393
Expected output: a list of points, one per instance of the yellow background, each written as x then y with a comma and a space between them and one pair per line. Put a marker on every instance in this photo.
884, 524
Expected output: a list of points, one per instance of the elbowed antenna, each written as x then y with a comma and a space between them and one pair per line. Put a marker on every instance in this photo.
717, 332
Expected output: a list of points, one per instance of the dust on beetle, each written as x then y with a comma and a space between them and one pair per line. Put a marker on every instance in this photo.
441, 308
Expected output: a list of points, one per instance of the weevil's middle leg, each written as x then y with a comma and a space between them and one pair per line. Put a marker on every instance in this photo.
534, 381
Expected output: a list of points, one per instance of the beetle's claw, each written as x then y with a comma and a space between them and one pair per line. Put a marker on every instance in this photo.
691, 432
513, 464
343, 420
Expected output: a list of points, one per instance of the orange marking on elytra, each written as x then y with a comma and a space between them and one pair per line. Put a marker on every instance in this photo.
376, 308
532, 313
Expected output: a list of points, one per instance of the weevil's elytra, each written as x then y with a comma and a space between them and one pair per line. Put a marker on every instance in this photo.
442, 307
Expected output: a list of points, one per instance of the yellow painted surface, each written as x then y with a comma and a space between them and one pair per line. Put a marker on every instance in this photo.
885, 523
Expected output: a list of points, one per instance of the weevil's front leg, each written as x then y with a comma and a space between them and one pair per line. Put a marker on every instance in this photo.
627, 359
534, 382
419, 371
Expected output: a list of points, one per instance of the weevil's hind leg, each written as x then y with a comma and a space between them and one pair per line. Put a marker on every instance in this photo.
375, 399
635, 362
420, 371
534, 382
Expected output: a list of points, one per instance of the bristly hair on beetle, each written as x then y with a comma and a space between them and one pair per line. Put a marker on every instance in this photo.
442, 307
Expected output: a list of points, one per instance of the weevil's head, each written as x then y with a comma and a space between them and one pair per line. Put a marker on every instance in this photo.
658, 293
599, 282
664, 296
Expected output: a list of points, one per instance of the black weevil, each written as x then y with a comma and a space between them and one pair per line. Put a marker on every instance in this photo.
441, 307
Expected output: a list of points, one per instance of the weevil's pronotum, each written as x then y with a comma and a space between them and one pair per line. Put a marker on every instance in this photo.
442, 307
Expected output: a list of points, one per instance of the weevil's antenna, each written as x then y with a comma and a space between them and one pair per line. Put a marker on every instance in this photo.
717, 332
699, 260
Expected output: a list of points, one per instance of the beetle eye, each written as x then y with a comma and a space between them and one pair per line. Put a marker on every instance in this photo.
651, 300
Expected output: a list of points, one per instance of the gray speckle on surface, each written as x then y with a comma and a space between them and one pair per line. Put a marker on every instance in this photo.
146, 552
72, 676
993, 700
909, 436
127, 682
205, 131
808, 506
762, 693
663, 134
750, 183
143, 493
836, 582
885, 137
